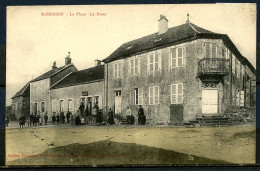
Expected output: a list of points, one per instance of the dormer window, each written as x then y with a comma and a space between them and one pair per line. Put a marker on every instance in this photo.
157, 40
129, 47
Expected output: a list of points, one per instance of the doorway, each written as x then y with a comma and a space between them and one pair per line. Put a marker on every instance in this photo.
118, 102
209, 101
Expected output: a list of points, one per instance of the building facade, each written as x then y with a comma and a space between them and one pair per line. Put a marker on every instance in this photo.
40, 94
85, 86
21, 102
177, 74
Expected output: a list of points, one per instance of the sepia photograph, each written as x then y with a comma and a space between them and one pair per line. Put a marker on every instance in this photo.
131, 85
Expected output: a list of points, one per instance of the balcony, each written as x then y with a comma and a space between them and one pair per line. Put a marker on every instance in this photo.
213, 67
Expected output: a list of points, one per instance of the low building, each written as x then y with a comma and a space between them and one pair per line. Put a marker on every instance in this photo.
40, 95
85, 86
21, 102
177, 74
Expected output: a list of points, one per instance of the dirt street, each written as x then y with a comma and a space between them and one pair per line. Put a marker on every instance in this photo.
117, 145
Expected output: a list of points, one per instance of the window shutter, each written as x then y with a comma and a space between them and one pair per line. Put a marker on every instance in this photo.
139, 63
242, 98
156, 95
207, 50
140, 100
136, 66
173, 58
214, 51
151, 58
151, 95
237, 99
180, 55
180, 93
173, 93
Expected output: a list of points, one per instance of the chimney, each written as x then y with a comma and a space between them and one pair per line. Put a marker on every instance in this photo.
97, 62
68, 59
54, 65
162, 24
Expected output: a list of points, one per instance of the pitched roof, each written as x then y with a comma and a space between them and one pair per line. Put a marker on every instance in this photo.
82, 77
20, 92
50, 73
173, 35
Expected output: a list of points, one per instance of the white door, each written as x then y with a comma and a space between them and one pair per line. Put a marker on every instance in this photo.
209, 101
118, 104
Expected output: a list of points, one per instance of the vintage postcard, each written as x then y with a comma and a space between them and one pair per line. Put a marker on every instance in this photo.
131, 85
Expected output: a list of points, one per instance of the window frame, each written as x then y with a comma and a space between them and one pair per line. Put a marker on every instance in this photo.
72, 101
43, 102
177, 93
153, 64
138, 97
154, 95
177, 57
211, 49
134, 65
117, 69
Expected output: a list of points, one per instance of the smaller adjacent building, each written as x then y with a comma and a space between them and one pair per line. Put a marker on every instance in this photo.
85, 86
21, 102
40, 97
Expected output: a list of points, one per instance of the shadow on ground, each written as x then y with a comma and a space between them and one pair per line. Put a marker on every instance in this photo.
107, 152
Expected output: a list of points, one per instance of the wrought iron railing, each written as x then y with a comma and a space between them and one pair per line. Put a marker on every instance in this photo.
210, 66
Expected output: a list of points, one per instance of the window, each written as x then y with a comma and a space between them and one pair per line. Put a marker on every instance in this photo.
177, 93
177, 57
154, 61
42, 106
154, 95
117, 70
70, 105
61, 105
134, 66
238, 69
242, 70
233, 64
139, 96
118, 93
211, 50
98, 101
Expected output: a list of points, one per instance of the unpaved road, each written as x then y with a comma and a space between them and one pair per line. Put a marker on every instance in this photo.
111, 145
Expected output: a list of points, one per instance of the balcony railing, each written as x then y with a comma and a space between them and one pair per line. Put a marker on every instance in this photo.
213, 66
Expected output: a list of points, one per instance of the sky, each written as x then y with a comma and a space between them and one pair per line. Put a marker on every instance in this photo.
35, 41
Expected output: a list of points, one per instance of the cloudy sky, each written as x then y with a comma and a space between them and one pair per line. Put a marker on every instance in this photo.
35, 41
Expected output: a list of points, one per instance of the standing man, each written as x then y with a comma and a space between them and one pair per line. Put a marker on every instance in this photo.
46, 118
128, 115
110, 117
94, 114
68, 116
141, 116
31, 119
81, 109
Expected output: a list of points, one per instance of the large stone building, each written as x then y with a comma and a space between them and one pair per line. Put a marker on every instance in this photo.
40, 94
21, 102
85, 86
178, 73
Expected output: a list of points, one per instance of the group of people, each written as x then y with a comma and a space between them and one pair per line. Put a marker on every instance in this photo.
33, 119
82, 115
129, 116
